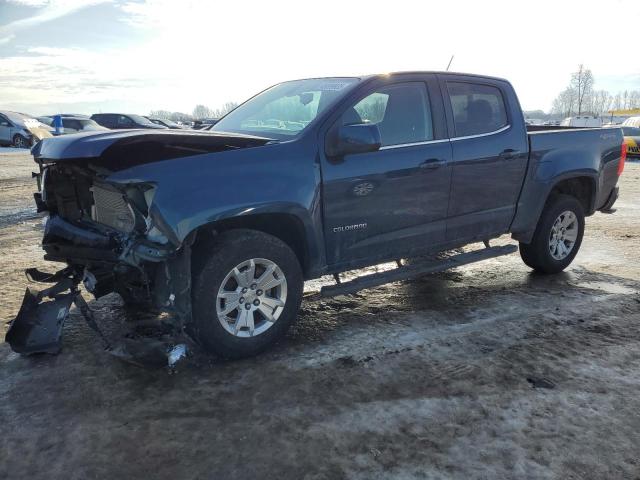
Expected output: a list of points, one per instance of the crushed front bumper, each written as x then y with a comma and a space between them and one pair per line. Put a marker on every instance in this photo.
38, 326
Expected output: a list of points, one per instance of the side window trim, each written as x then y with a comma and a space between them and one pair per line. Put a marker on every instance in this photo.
447, 99
413, 144
486, 134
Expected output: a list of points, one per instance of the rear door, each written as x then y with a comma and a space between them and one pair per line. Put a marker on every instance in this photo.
385, 203
489, 150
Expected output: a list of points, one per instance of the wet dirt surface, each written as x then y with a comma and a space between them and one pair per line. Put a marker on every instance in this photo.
486, 371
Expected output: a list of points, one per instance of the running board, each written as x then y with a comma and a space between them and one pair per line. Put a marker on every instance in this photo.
412, 271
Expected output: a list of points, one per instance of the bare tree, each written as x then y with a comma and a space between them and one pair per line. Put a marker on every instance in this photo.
202, 111
222, 111
163, 114
600, 102
565, 103
582, 83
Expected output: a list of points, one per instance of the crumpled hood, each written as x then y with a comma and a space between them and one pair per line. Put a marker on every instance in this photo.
146, 145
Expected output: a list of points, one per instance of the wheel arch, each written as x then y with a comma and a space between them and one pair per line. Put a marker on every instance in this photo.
287, 227
580, 184
582, 187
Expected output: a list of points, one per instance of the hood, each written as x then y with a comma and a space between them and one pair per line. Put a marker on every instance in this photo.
121, 148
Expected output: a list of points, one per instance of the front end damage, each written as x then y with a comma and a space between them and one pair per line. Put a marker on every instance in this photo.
108, 233
106, 237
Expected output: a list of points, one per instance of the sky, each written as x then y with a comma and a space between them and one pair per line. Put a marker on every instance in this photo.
87, 56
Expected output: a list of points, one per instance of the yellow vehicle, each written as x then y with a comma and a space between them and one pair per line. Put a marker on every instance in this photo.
632, 139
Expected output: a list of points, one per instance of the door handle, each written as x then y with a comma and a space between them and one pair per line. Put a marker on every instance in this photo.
508, 154
432, 163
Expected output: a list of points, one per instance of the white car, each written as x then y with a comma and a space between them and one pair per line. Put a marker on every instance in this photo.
582, 121
20, 130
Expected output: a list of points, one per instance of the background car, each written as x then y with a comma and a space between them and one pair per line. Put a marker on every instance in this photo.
74, 123
21, 130
119, 121
205, 122
165, 123
582, 121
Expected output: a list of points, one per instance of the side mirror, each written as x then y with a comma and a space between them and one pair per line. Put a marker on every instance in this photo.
356, 138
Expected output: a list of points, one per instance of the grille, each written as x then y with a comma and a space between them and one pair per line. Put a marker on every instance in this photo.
111, 209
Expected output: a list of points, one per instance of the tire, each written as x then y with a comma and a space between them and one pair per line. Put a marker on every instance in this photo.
20, 142
548, 253
215, 284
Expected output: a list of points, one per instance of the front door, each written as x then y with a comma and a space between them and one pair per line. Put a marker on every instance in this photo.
379, 204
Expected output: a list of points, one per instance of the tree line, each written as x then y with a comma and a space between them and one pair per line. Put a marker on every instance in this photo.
580, 97
199, 112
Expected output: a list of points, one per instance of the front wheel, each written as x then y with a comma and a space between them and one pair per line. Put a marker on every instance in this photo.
558, 236
246, 294
20, 142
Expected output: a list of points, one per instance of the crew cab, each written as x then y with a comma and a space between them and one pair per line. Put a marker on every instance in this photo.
308, 178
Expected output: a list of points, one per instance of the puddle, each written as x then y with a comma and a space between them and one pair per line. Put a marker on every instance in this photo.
609, 287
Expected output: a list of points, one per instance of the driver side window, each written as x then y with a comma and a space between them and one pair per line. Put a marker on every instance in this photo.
4, 122
401, 112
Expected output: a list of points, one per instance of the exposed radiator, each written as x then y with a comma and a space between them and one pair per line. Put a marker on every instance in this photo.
112, 210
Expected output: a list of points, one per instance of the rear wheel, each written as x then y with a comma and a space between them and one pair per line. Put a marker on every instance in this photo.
558, 236
246, 294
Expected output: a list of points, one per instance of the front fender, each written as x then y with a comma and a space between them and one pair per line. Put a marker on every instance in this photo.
191, 192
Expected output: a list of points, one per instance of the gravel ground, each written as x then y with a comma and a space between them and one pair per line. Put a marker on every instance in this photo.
486, 371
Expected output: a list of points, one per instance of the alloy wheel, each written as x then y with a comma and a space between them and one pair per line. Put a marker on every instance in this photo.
563, 235
251, 297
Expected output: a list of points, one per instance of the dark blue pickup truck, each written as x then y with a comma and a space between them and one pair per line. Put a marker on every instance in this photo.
307, 178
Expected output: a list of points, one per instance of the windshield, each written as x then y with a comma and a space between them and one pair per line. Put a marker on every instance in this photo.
164, 122
139, 119
284, 110
631, 132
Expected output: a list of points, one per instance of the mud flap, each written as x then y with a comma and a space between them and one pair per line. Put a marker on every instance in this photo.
38, 326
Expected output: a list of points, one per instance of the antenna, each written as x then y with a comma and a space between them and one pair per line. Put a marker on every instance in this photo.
450, 60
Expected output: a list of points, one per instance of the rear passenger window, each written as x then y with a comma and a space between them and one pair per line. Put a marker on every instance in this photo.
476, 108
401, 112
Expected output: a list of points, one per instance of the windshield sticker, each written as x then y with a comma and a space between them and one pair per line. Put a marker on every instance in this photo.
332, 86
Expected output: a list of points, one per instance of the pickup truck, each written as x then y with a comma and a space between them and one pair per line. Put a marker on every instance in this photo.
307, 178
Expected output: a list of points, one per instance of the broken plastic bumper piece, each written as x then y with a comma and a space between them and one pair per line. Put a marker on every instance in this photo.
38, 326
